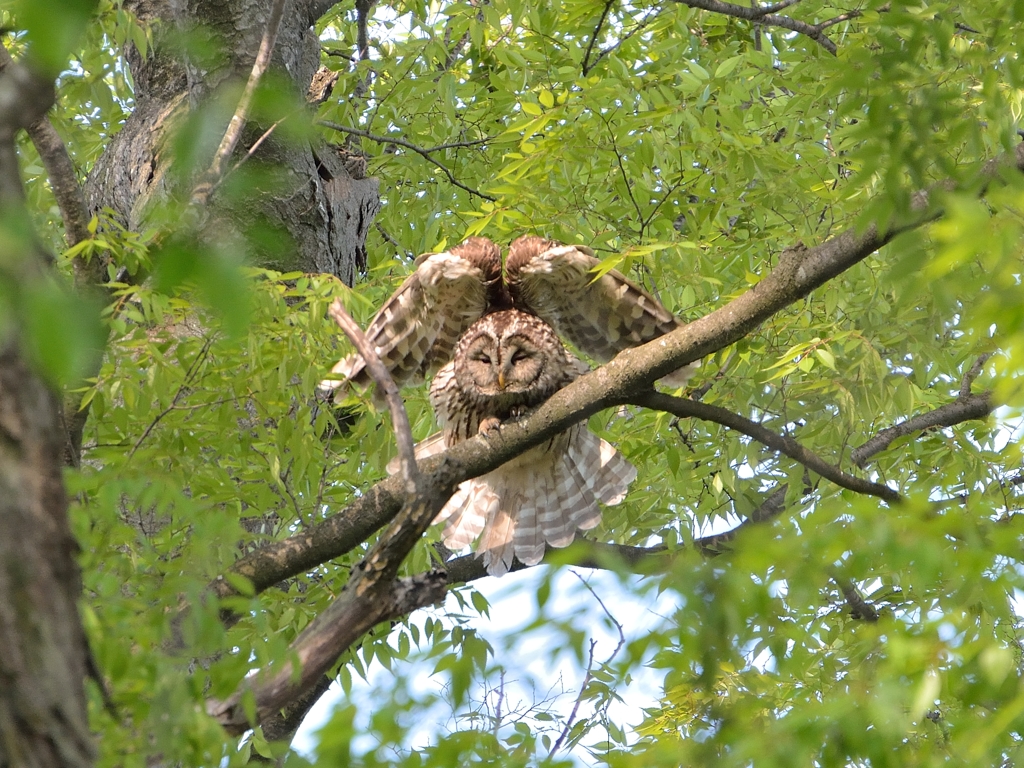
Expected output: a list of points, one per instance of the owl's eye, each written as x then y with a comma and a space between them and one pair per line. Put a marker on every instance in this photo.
518, 356
484, 358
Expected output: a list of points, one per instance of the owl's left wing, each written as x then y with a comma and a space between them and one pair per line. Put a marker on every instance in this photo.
600, 316
417, 329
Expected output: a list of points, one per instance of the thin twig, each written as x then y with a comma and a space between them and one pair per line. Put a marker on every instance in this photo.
497, 707
773, 505
458, 144
611, 618
380, 375
590, 665
398, 246
837, 20
341, 54
255, 145
189, 374
640, 26
576, 705
622, 172
203, 190
778, 6
585, 68
972, 373
424, 153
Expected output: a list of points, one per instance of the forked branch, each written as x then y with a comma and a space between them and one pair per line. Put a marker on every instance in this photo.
373, 594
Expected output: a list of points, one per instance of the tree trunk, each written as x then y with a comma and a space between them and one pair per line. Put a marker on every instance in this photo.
306, 192
312, 192
43, 651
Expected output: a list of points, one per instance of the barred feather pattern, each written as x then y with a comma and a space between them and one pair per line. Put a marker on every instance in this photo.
543, 496
601, 316
417, 329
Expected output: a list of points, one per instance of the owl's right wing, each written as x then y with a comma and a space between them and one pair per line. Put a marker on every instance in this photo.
416, 330
600, 315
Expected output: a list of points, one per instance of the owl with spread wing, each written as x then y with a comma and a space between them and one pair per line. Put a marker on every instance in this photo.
493, 341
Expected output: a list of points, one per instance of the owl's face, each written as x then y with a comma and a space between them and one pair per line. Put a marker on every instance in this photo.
510, 357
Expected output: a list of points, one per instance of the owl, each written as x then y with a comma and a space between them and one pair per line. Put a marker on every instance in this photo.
493, 341
505, 364
417, 329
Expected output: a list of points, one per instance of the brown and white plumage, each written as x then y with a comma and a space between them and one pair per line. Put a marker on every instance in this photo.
601, 316
507, 363
496, 344
416, 330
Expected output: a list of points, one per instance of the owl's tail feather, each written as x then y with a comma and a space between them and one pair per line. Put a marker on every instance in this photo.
429, 446
566, 503
497, 541
467, 513
609, 473
680, 376
536, 500
529, 538
563, 497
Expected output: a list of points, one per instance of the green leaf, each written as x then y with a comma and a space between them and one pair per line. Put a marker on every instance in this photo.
63, 334
53, 28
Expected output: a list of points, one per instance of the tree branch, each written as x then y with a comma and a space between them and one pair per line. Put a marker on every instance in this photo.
368, 600
640, 26
775, 8
782, 443
59, 170
424, 153
25, 96
75, 215
717, 543
202, 191
961, 409
798, 272
585, 67
972, 373
380, 375
363, 8
283, 725
372, 594
765, 16
859, 607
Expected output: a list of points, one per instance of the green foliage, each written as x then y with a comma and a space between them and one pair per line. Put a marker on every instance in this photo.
689, 149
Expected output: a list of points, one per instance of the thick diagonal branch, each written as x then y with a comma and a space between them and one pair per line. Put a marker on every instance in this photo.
799, 271
371, 596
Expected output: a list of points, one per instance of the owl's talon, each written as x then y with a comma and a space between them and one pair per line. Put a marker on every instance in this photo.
489, 426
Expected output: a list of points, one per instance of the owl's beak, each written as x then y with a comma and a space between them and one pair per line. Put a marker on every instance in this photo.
501, 380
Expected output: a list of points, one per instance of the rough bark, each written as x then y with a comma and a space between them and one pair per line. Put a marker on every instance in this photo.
304, 192
43, 652
45, 657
